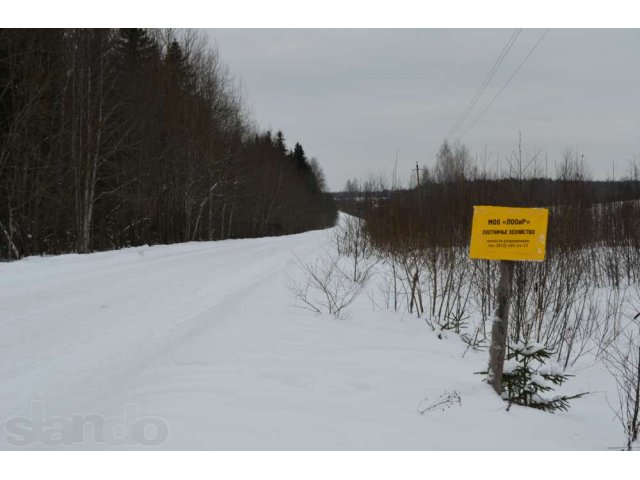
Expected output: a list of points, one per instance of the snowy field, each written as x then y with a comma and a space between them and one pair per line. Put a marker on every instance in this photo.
201, 344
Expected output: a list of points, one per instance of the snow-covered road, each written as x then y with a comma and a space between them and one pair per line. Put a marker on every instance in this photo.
204, 340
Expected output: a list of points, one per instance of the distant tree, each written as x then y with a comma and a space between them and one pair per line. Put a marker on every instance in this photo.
177, 67
300, 157
453, 164
318, 174
426, 176
352, 186
572, 167
280, 142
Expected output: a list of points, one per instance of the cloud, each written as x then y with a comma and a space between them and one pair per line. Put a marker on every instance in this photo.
353, 98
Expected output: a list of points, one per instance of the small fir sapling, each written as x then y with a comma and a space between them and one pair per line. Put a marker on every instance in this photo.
526, 378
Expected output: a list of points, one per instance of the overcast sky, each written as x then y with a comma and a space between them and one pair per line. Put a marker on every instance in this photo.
355, 98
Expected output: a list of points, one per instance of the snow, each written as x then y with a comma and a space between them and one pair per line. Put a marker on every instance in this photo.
530, 348
552, 369
206, 338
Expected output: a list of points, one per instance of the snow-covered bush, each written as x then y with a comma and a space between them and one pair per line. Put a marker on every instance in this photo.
328, 284
624, 365
622, 359
527, 377
336, 279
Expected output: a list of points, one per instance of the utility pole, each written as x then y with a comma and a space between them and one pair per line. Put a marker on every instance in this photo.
417, 176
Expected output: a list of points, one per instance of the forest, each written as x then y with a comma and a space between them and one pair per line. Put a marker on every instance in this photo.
112, 138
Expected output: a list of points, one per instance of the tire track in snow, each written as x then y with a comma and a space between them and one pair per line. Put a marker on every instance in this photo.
51, 347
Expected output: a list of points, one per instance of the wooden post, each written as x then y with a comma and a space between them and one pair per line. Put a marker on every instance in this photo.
493, 238
500, 326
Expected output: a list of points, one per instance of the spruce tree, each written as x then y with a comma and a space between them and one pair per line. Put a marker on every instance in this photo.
300, 157
279, 143
526, 379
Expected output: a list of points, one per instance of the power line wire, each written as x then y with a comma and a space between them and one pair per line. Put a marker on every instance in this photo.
506, 83
496, 65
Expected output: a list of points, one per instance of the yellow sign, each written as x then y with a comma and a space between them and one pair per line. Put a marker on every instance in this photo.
505, 233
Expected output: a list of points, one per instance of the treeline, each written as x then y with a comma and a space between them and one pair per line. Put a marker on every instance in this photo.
581, 213
439, 210
121, 137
